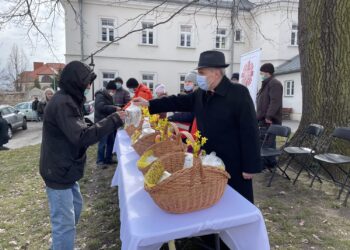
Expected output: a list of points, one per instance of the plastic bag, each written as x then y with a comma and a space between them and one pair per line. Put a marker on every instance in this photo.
133, 115
165, 175
212, 160
188, 162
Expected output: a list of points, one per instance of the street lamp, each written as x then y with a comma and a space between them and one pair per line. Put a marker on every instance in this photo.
92, 65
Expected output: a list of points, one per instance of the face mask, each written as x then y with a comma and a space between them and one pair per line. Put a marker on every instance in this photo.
119, 85
111, 93
86, 92
202, 82
263, 77
188, 87
132, 91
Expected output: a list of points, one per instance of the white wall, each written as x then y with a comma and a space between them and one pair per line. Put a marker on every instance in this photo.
294, 102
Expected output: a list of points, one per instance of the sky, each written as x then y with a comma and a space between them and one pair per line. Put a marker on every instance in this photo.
35, 47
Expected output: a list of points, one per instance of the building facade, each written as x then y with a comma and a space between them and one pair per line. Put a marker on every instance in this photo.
157, 47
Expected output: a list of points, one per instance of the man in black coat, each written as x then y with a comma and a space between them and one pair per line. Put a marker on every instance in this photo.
65, 140
104, 106
225, 115
4, 136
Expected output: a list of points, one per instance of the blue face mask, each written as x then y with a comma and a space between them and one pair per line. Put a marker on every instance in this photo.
132, 91
119, 85
86, 92
202, 82
263, 77
188, 88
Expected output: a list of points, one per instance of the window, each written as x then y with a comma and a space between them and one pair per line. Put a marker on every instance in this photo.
147, 33
182, 82
221, 39
107, 29
186, 36
238, 36
148, 80
289, 88
294, 35
5, 111
107, 76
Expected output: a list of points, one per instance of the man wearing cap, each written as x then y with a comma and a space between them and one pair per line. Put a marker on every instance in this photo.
66, 137
269, 107
225, 114
104, 106
121, 96
235, 78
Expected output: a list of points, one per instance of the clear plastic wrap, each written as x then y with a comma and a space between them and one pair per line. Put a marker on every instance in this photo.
133, 115
212, 160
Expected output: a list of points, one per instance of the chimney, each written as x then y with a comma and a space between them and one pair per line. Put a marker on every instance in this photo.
37, 65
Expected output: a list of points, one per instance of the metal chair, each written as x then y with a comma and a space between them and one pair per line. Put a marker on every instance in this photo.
336, 160
312, 133
275, 130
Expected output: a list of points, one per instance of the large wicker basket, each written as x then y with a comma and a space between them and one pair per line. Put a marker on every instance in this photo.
188, 190
145, 142
169, 146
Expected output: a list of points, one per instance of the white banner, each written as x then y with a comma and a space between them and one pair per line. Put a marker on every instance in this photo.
249, 73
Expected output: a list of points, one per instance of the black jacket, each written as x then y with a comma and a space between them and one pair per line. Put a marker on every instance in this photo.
228, 119
121, 97
4, 136
35, 105
103, 105
66, 136
269, 101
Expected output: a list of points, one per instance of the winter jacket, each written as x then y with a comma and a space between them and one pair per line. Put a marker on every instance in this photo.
269, 101
41, 107
121, 97
66, 136
142, 91
4, 136
227, 118
103, 105
35, 105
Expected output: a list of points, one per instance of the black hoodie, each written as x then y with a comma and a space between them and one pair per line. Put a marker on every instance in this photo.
66, 136
103, 105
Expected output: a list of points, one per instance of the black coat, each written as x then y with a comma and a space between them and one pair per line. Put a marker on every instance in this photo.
228, 119
66, 136
103, 105
4, 136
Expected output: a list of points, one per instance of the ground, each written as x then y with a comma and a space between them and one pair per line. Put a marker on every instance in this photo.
31, 136
296, 216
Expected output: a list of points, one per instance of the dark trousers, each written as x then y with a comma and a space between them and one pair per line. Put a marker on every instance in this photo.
105, 148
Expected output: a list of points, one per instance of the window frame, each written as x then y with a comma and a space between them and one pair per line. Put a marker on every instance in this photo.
289, 85
147, 82
115, 72
108, 29
294, 31
186, 33
147, 30
220, 36
241, 40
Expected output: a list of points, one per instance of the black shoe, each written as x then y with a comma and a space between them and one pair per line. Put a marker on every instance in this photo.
101, 165
4, 148
111, 162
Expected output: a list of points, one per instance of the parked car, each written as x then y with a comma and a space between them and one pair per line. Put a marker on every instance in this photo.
89, 112
14, 118
26, 108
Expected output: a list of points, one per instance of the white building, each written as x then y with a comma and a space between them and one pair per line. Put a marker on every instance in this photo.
164, 53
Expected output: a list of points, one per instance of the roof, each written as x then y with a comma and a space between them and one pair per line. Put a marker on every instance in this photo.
47, 69
27, 76
243, 4
291, 66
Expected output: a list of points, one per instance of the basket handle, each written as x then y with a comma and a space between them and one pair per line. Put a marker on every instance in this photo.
176, 130
196, 164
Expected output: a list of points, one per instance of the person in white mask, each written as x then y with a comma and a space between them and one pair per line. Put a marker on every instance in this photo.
225, 114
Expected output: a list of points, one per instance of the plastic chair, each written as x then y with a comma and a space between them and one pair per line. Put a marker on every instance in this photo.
275, 130
312, 133
336, 160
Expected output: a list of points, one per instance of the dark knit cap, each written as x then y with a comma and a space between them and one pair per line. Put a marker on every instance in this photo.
119, 79
267, 68
132, 83
111, 85
235, 76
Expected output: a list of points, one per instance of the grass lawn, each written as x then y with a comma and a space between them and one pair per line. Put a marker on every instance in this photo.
296, 217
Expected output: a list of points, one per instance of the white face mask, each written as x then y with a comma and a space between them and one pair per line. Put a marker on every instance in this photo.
111, 93
86, 92
119, 85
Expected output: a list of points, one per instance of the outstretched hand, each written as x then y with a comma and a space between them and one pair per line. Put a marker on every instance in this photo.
139, 101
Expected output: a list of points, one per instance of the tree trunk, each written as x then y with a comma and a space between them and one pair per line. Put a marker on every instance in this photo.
324, 45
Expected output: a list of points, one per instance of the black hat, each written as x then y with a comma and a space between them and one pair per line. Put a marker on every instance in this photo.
212, 59
132, 83
235, 76
268, 68
111, 85
119, 79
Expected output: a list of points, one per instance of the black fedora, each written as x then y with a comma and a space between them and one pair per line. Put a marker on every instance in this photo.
212, 59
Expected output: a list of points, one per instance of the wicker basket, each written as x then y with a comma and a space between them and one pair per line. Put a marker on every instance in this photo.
190, 189
169, 146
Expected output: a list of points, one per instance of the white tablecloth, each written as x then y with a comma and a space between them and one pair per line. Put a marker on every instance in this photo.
144, 226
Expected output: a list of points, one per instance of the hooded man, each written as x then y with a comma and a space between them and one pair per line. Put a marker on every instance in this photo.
65, 140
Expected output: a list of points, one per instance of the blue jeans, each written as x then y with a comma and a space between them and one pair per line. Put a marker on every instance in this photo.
105, 149
65, 208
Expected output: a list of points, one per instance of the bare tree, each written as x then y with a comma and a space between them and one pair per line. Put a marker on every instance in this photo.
16, 64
